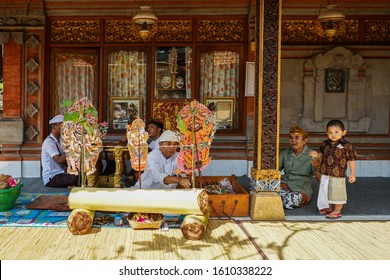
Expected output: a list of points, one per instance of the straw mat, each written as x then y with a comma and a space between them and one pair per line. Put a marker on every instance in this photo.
223, 240
338, 240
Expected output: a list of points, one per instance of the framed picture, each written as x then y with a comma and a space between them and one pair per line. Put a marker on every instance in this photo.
335, 80
124, 110
223, 109
250, 79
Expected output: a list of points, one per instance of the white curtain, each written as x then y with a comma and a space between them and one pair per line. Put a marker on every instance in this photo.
219, 74
75, 80
127, 74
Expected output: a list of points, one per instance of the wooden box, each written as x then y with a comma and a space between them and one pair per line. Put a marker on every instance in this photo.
228, 205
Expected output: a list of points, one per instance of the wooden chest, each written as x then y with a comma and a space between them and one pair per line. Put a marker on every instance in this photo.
228, 205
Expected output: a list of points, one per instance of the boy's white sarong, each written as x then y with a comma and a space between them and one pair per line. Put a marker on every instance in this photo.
322, 201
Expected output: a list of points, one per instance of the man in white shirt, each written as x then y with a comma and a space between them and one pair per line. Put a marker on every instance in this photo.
53, 158
155, 129
162, 163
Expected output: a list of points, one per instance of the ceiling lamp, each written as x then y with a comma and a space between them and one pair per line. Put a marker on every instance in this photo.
331, 21
146, 19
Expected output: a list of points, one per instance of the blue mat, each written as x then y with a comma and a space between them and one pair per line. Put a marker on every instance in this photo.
20, 216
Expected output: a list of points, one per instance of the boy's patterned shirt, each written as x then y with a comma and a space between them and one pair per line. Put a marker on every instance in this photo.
335, 157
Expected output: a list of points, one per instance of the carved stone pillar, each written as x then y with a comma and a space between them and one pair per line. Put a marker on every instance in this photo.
265, 171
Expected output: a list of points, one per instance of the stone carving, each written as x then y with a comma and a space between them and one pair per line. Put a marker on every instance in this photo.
347, 103
18, 37
31, 110
4, 37
32, 87
31, 132
32, 42
32, 65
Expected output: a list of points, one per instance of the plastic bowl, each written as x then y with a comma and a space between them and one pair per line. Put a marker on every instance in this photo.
9, 196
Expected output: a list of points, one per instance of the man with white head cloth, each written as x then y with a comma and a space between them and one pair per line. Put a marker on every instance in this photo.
162, 163
53, 158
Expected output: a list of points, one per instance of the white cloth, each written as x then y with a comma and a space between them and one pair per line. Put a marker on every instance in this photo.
50, 148
169, 135
157, 169
154, 144
57, 119
322, 201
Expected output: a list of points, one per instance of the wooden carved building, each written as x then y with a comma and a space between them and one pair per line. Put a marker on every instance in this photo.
262, 66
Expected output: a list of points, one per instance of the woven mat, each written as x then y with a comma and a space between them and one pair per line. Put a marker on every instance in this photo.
51, 210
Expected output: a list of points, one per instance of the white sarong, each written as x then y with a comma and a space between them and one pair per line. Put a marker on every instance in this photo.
322, 201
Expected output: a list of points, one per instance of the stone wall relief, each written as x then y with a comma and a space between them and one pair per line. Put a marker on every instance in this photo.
334, 88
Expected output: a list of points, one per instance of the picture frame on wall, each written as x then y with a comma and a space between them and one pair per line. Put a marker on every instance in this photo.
223, 109
124, 110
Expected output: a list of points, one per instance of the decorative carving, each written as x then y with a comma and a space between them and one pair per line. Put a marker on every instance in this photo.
4, 37
122, 31
167, 112
31, 110
174, 31
299, 31
12, 21
22, 20
270, 86
72, 31
32, 42
32, 87
32, 65
31, 132
309, 31
333, 71
265, 180
220, 31
18, 37
377, 30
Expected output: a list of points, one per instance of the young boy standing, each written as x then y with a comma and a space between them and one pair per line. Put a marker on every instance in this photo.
336, 155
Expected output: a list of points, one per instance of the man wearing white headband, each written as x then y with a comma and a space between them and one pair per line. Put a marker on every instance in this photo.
162, 163
53, 158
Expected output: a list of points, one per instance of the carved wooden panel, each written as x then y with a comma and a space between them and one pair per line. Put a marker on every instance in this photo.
270, 88
377, 30
121, 31
309, 31
167, 113
220, 31
174, 31
75, 31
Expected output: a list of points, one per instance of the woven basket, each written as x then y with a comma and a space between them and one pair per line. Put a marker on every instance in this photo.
145, 220
8, 197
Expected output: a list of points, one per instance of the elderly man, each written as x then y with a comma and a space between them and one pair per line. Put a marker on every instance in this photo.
53, 158
299, 168
162, 163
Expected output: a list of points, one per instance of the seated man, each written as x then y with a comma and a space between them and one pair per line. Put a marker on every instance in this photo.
299, 168
155, 129
162, 163
54, 159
